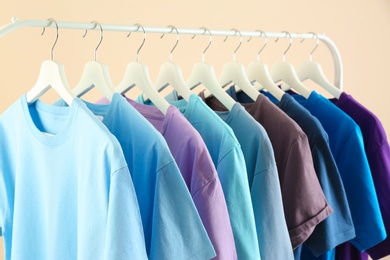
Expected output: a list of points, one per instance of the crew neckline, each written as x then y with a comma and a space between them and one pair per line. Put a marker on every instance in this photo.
226, 115
107, 111
153, 112
62, 135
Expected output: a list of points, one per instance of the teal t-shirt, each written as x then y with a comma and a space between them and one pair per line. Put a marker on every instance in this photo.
172, 226
228, 159
65, 188
273, 236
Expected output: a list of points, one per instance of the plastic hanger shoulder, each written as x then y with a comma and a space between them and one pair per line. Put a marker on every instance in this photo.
203, 73
51, 75
235, 72
170, 75
95, 74
259, 72
283, 71
313, 70
137, 74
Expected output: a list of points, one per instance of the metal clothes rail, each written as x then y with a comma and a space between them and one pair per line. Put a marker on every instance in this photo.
338, 66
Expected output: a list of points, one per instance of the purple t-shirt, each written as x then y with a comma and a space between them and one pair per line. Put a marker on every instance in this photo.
199, 173
377, 150
304, 202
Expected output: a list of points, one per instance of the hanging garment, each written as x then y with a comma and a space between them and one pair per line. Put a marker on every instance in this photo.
303, 200
338, 227
168, 213
228, 159
346, 144
195, 164
377, 150
66, 192
272, 233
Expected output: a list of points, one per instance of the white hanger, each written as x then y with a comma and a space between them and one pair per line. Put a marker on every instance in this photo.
203, 73
95, 74
283, 71
233, 71
51, 75
137, 74
313, 70
259, 74
170, 74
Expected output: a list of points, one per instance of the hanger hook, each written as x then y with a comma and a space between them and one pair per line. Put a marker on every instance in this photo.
51, 20
318, 42
143, 40
239, 45
265, 43
101, 36
289, 35
177, 40
210, 40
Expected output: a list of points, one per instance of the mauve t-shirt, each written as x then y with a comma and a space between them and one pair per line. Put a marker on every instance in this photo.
304, 202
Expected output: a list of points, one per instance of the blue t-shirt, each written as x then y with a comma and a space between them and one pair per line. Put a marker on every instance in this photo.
338, 227
228, 159
168, 213
66, 191
346, 144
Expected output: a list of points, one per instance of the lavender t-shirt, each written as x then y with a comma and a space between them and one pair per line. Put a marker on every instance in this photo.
199, 173
228, 158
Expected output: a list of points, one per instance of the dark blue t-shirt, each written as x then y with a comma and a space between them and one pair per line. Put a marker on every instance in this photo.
346, 144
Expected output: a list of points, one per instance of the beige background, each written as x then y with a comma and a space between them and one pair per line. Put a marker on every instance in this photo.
360, 29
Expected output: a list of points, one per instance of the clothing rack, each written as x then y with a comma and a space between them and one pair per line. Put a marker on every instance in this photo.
338, 67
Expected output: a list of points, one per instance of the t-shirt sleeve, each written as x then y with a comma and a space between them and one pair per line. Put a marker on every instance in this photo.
379, 160
338, 227
211, 205
124, 232
361, 194
304, 202
238, 199
177, 231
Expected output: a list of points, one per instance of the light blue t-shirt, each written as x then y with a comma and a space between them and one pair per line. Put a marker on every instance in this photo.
346, 144
172, 226
274, 239
65, 188
228, 159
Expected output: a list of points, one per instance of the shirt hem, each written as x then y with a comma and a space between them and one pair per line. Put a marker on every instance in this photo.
372, 242
336, 240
